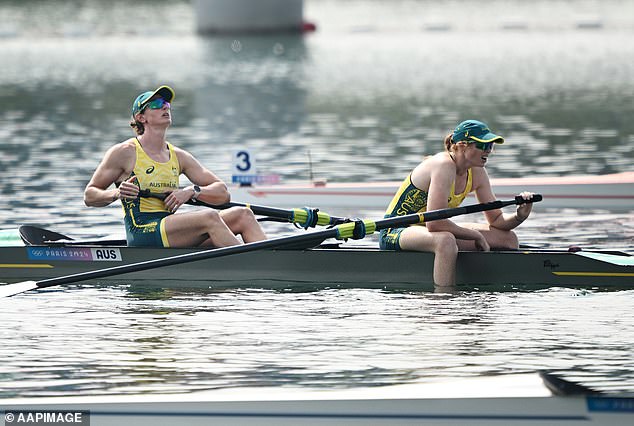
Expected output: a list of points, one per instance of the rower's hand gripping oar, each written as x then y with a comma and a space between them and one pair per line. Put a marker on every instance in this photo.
357, 229
305, 217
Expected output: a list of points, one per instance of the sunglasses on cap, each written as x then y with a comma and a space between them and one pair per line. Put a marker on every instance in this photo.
157, 104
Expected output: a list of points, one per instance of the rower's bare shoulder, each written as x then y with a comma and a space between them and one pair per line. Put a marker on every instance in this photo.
440, 163
121, 155
192, 167
185, 158
125, 148
432, 166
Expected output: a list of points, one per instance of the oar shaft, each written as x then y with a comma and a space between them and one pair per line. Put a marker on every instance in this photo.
346, 229
190, 257
305, 217
259, 210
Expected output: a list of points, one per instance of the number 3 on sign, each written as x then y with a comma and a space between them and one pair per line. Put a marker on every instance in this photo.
243, 163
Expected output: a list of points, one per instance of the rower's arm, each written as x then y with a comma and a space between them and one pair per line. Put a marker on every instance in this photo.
212, 189
440, 182
508, 221
113, 167
497, 218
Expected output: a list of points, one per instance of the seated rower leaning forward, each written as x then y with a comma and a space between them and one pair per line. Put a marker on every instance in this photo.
149, 162
443, 181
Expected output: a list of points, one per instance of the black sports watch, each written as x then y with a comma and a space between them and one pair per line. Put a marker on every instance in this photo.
196, 189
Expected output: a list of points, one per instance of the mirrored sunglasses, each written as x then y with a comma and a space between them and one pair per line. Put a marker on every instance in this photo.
157, 104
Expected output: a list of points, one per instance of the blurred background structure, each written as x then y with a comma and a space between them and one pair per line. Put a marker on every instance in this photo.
221, 16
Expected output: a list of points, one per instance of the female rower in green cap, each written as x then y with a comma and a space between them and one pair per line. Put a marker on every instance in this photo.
149, 162
442, 181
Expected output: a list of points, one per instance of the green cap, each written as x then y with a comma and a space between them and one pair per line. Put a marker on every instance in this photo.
165, 92
474, 130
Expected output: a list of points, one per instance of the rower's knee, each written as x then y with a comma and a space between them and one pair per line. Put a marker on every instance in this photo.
212, 217
244, 216
445, 245
247, 213
509, 241
239, 219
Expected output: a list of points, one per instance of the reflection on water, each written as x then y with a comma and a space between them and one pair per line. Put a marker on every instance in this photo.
372, 91
251, 93
132, 343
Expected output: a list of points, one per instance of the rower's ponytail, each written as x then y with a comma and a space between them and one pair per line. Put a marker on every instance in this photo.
138, 127
448, 142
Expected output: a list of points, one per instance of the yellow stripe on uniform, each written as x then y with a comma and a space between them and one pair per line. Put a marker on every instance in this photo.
166, 242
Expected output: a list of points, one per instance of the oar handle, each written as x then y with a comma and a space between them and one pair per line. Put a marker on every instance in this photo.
498, 204
306, 217
351, 230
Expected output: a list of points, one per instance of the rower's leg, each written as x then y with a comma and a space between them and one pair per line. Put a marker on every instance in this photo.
242, 221
204, 227
446, 253
444, 247
497, 238
502, 240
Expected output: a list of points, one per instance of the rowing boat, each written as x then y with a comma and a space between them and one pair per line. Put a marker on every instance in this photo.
516, 399
614, 192
327, 265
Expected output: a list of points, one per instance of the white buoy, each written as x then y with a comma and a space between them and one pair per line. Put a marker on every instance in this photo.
232, 16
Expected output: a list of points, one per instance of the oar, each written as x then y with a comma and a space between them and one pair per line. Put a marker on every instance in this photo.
357, 229
305, 217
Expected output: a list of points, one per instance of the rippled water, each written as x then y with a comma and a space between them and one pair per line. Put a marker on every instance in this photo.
127, 340
372, 91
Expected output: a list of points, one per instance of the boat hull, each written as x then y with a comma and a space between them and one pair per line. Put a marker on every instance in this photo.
510, 400
326, 266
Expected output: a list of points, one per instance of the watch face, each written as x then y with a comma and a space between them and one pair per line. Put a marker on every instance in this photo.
196, 192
